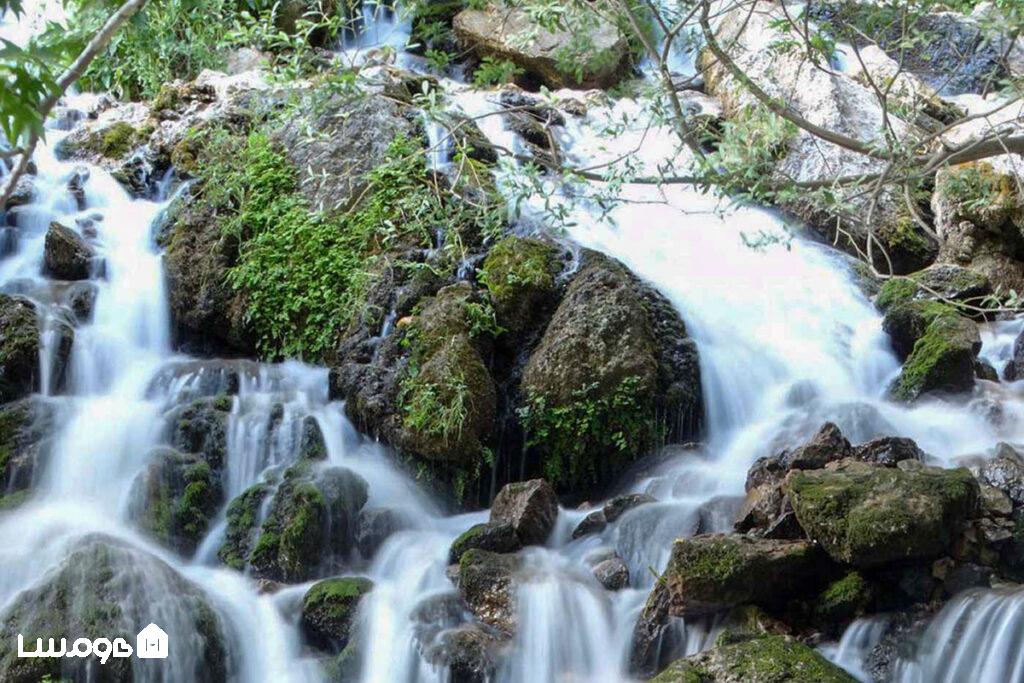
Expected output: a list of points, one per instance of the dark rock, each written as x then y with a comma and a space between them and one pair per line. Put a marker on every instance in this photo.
26, 430
966, 576
530, 508
888, 451
467, 653
868, 516
375, 526
201, 428
596, 521
107, 587
613, 574
67, 256
1005, 472
826, 446
19, 348
487, 584
495, 537
329, 611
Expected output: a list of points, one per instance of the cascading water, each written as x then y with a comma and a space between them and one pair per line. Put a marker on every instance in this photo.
786, 339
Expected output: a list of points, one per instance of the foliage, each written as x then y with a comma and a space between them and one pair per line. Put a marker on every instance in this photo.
745, 154
492, 72
436, 408
482, 319
572, 436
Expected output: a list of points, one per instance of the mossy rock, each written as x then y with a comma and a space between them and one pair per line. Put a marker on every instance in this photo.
494, 537
19, 348
708, 574
487, 584
868, 516
329, 611
845, 598
112, 142
107, 588
519, 274
311, 524
242, 526
26, 429
942, 359
768, 659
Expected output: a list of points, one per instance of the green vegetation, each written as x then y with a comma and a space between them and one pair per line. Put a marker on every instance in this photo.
492, 72
895, 291
943, 357
436, 408
242, 526
515, 265
846, 598
570, 435
746, 152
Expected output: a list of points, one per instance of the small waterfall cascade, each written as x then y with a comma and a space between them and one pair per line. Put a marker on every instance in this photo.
787, 341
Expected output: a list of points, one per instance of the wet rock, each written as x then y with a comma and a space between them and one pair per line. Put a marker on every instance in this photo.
1005, 472
613, 574
940, 346
888, 451
707, 574
67, 256
493, 32
310, 525
26, 429
375, 526
175, 498
329, 611
826, 446
615, 354
487, 584
596, 521
22, 194
243, 520
845, 599
869, 516
495, 537
966, 576
952, 283
469, 654
19, 348
519, 274
768, 658
80, 298
201, 428
106, 587
1015, 368
530, 508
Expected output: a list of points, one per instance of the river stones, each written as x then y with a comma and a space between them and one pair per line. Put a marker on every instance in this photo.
530, 508
329, 611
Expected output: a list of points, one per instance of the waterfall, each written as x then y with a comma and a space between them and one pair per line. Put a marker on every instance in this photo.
787, 341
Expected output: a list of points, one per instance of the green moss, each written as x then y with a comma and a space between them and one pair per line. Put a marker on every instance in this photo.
895, 291
14, 500
241, 526
516, 265
901, 233
845, 599
943, 357
117, 140
568, 435
335, 593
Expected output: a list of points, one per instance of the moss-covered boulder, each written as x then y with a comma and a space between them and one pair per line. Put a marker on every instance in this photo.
487, 584
26, 429
310, 525
614, 374
868, 516
519, 274
447, 397
175, 498
938, 345
106, 588
708, 574
329, 611
979, 215
845, 599
243, 524
768, 659
19, 348
495, 537
505, 32
200, 428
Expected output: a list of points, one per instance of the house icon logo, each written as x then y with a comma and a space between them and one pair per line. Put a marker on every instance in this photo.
151, 643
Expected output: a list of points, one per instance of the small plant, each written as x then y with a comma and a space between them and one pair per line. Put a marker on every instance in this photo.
493, 72
482, 320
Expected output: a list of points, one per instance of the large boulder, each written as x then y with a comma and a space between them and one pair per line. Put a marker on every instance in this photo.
613, 369
310, 524
329, 610
555, 58
519, 274
487, 584
868, 516
834, 101
529, 507
19, 348
767, 659
106, 588
67, 255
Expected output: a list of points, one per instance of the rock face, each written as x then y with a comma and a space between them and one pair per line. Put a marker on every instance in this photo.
979, 215
329, 611
836, 102
529, 507
499, 31
106, 588
868, 516
768, 658
19, 348
614, 364
487, 584
25, 435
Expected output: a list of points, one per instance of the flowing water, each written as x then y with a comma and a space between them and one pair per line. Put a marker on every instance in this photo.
787, 341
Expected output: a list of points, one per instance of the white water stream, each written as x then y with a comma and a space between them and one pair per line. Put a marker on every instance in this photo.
787, 341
